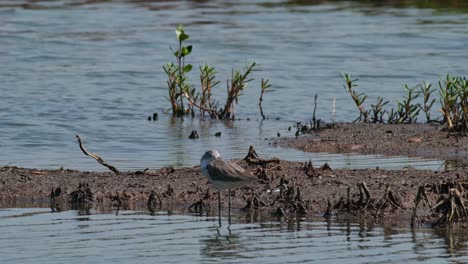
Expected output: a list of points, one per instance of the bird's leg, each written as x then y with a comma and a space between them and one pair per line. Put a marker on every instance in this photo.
229, 212
219, 207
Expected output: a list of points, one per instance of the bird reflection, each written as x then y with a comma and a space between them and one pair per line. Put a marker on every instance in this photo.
223, 244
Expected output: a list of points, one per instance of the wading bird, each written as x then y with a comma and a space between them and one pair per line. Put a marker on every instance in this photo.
224, 175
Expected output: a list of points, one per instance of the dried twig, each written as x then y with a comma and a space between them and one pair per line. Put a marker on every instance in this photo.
95, 156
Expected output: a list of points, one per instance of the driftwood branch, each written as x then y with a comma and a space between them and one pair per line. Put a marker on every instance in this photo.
95, 156
253, 158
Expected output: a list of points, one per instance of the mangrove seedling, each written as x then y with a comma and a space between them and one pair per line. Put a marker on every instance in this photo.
207, 80
392, 116
378, 110
426, 91
264, 85
448, 101
238, 83
358, 98
177, 79
407, 111
180, 87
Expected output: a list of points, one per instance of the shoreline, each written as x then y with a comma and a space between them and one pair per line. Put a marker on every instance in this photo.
413, 140
283, 188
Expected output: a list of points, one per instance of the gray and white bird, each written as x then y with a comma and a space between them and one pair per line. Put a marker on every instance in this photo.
224, 175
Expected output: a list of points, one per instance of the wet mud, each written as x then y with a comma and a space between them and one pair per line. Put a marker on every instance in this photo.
282, 188
416, 140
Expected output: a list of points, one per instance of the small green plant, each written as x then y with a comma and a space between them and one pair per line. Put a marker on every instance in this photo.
453, 92
426, 91
180, 88
358, 98
378, 110
238, 83
407, 111
462, 89
265, 86
177, 74
454, 102
392, 116
207, 80
448, 100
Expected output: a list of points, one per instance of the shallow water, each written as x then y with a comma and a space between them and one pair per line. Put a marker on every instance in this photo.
94, 68
35, 235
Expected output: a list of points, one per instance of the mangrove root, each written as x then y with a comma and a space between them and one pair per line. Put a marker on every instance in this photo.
326, 167
198, 206
420, 197
152, 199
290, 197
279, 212
309, 169
388, 201
254, 203
452, 206
95, 156
55, 193
169, 191
82, 195
117, 198
193, 134
366, 203
328, 212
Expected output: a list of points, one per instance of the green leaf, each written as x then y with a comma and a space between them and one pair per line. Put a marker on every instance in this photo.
183, 37
186, 50
180, 33
188, 68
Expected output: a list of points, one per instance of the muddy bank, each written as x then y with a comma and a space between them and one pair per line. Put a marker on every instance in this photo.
281, 189
417, 140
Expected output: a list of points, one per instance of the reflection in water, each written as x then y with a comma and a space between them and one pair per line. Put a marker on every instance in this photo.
149, 237
223, 244
455, 239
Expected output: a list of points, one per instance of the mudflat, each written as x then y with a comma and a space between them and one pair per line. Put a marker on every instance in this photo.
282, 188
417, 140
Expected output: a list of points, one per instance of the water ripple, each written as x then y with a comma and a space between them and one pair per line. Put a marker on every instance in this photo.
68, 71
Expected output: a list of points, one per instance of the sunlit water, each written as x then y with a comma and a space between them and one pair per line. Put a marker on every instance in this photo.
95, 69
36, 235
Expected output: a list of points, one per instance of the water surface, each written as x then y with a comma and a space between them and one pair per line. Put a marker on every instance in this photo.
35, 235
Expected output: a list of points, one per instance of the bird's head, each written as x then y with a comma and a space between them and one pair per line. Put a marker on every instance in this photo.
211, 155
207, 158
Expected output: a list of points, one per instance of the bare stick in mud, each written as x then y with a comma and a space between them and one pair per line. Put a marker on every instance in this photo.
95, 156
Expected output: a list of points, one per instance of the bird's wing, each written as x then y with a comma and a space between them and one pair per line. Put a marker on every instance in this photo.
220, 170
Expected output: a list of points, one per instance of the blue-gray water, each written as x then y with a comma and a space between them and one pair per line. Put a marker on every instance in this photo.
95, 69
35, 235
